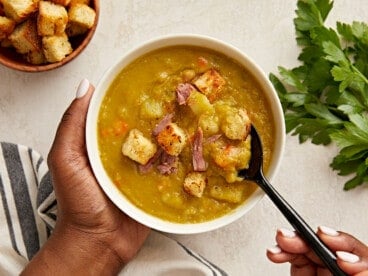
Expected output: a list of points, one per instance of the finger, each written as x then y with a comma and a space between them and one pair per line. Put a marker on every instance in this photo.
340, 241
69, 143
68, 150
364, 273
71, 130
351, 263
300, 264
352, 254
277, 255
291, 242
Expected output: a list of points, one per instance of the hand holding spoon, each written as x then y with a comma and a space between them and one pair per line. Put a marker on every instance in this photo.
255, 173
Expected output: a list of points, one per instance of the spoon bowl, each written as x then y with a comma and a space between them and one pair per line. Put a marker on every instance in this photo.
254, 172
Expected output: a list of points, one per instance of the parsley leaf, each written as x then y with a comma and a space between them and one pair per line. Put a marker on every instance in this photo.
325, 99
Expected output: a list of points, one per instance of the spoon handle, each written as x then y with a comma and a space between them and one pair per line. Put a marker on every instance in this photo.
304, 230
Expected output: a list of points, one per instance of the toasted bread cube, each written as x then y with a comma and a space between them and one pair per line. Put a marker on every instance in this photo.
6, 27
75, 29
36, 57
2, 13
19, 10
74, 2
56, 48
195, 183
172, 139
236, 124
6, 43
81, 19
52, 19
25, 38
81, 15
61, 2
210, 83
138, 148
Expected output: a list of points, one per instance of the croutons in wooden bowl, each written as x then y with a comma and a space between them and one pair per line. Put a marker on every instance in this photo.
40, 35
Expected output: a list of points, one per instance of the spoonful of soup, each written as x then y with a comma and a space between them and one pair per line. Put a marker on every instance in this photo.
254, 172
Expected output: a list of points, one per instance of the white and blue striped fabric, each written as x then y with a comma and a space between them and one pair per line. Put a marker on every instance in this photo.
28, 211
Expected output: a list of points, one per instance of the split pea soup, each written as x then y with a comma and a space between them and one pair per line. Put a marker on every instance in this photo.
173, 130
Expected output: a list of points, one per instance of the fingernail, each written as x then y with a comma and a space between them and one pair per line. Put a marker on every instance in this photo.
274, 250
347, 257
82, 88
287, 233
328, 231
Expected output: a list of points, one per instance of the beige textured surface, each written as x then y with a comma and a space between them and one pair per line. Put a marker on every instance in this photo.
32, 104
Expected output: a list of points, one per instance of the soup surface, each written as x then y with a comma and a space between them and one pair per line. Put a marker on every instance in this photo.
173, 132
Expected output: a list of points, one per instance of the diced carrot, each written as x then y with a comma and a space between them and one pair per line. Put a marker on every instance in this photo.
202, 62
117, 129
106, 132
120, 127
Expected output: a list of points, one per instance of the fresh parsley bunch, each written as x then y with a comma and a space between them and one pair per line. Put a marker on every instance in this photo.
325, 99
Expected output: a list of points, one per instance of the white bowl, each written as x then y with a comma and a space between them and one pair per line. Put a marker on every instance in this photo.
92, 144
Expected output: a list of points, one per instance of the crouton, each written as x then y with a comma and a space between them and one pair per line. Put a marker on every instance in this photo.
35, 57
52, 19
210, 83
6, 27
195, 183
24, 37
172, 139
19, 10
2, 13
81, 17
138, 148
74, 2
61, 2
56, 48
6, 43
236, 124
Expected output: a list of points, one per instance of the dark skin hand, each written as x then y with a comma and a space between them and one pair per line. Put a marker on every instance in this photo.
352, 254
91, 235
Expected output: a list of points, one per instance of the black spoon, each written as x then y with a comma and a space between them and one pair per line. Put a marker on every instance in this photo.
255, 173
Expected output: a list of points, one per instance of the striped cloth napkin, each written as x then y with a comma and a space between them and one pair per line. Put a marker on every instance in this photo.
28, 211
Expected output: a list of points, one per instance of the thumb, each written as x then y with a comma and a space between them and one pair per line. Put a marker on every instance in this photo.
352, 254
70, 136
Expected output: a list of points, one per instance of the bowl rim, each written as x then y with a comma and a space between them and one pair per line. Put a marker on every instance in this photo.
116, 195
27, 67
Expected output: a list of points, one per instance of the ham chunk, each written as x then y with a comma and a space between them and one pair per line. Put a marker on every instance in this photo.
183, 91
169, 164
195, 183
138, 148
165, 121
199, 164
210, 83
172, 139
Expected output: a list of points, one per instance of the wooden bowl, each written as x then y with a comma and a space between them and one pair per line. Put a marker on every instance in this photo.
10, 58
